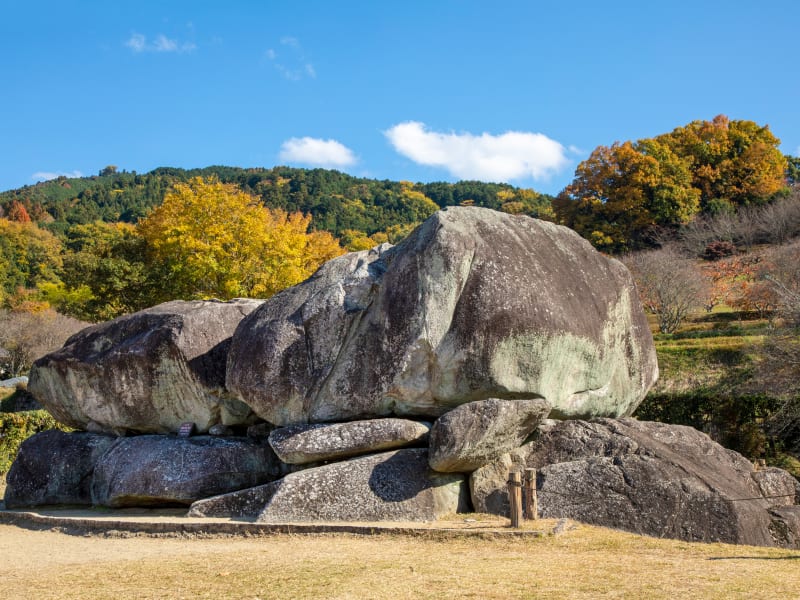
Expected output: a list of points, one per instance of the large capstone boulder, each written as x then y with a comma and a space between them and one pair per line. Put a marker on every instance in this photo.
54, 467
301, 444
157, 470
391, 486
649, 478
148, 372
474, 304
474, 434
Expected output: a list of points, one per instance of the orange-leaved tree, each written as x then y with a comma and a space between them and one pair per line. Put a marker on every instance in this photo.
621, 192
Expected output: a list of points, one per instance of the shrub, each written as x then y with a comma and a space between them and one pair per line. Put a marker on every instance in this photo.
719, 249
739, 423
15, 428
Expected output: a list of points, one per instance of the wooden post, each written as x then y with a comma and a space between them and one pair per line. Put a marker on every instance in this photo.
515, 497
531, 501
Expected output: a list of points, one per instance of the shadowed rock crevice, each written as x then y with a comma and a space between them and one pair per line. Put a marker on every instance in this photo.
210, 366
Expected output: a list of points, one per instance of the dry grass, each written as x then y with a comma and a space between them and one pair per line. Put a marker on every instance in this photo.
585, 563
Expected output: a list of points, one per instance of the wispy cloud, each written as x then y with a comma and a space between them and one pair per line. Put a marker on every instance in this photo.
317, 152
486, 157
48, 175
290, 60
139, 43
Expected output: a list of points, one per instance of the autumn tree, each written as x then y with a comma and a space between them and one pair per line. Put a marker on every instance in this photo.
17, 212
733, 162
418, 205
209, 239
622, 191
355, 240
28, 256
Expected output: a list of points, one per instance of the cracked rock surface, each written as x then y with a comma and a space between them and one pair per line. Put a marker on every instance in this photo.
147, 372
474, 304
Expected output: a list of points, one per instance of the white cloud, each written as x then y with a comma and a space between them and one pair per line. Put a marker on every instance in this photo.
139, 43
47, 175
291, 64
164, 44
486, 157
314, 151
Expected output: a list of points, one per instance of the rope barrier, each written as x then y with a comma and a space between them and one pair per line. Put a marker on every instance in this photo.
589, 497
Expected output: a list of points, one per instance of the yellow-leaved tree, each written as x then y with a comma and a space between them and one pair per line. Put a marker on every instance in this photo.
212, 240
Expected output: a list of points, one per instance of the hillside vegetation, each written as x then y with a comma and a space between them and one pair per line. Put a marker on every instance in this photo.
337, 202
710, 210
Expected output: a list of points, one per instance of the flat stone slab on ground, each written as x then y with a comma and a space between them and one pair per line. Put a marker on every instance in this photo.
300, 444
55, 467
391, 486
153, 470
246, 504
649, 478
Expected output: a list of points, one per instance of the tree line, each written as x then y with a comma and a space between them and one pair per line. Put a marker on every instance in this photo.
336, 202
705, 215
626, 195
94, 248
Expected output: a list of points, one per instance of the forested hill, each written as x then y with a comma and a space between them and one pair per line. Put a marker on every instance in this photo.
336, 201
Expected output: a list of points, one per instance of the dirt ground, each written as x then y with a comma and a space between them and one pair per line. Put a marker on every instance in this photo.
585, 562
560, 560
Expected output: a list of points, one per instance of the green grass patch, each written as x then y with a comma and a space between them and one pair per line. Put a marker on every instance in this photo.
712, 378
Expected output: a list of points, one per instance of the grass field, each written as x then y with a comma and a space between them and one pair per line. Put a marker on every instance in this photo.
708, 348
587, 562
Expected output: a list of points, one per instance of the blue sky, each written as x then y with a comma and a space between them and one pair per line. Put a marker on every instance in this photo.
517, 91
